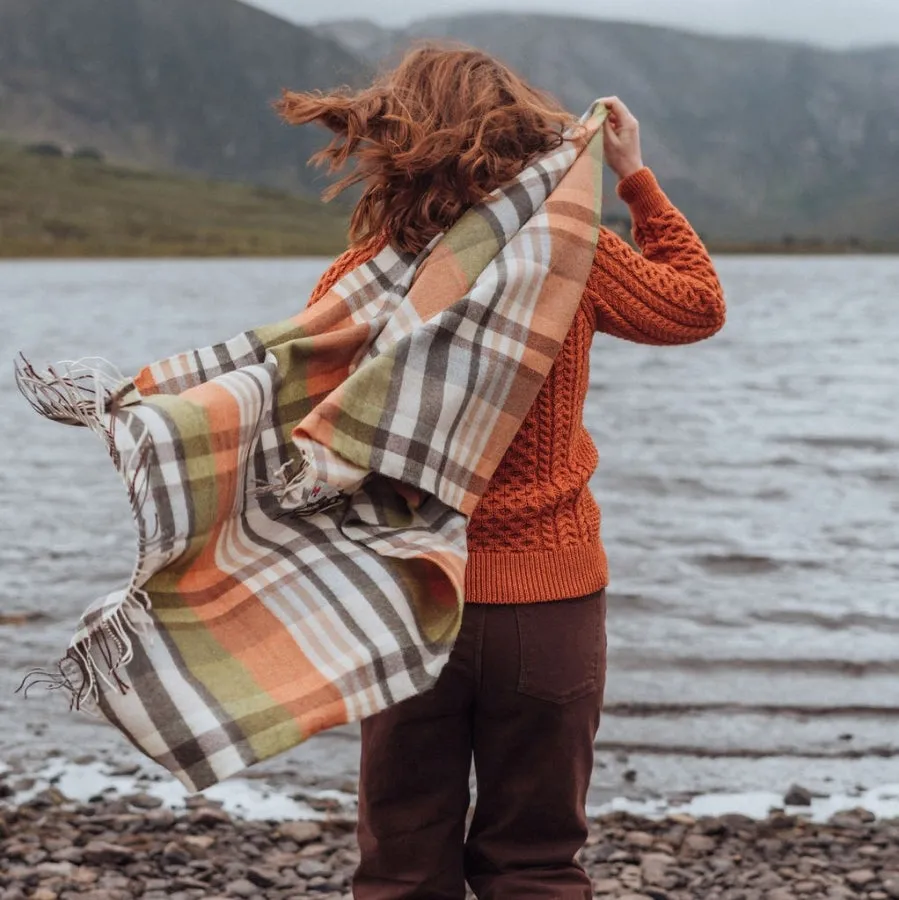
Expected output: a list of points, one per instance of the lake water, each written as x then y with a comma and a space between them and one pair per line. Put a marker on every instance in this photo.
750, 494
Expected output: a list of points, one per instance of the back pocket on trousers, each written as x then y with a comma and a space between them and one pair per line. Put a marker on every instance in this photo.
562, 648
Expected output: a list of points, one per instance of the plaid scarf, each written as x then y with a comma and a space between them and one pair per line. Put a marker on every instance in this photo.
301, 492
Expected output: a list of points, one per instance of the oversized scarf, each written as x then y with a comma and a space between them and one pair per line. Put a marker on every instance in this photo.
301, 492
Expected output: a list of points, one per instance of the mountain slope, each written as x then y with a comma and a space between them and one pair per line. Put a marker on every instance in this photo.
753, 138
165, 83
82, 207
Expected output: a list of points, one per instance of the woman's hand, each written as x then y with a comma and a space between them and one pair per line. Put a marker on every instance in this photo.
621, 139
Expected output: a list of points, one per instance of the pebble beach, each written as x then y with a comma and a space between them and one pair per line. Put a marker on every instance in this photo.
133, 846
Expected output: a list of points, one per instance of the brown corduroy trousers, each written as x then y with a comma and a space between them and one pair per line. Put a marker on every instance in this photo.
521, 696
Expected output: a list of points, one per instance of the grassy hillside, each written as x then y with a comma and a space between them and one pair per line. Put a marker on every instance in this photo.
74, 207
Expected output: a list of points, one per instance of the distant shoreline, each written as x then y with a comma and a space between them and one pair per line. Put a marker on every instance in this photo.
775, 249
191, 251
80, 207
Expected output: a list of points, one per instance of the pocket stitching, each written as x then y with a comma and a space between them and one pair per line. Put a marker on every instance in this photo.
579, 691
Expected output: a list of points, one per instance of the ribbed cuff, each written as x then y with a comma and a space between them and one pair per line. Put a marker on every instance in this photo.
641, 192
535, 577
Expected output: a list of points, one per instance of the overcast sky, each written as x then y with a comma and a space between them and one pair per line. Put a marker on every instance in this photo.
837, 23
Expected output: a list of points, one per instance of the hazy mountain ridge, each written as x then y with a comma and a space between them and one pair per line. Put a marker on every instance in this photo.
164, 83
754, 139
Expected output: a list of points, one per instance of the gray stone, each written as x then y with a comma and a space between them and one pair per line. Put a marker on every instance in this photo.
721, 864
861, 877
43, 893
103, 853
700, 843
54, 870
840, 892
173, 854
768, 881
639, 839
198, 845
312, 868
103, 894
242, 888
143, 801
13, 893
83, 875
736, 822
184, 883
262, 877
159, 819
848, 818
234, 871
123, 770
798, 796
300, 832
113, 882
209, 816
654, 867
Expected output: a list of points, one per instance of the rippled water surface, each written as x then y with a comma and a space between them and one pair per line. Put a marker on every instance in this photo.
750, 494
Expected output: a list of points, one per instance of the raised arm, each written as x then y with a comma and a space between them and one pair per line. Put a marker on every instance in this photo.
670, 294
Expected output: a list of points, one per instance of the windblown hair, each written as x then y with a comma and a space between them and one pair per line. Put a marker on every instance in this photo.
429, 139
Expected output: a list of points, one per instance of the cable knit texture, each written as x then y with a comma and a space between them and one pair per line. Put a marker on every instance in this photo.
535, 534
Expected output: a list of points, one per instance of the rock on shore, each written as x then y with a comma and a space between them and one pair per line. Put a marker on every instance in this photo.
130, 847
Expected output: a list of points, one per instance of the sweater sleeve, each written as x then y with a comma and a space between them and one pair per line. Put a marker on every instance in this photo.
668, 295
346, 262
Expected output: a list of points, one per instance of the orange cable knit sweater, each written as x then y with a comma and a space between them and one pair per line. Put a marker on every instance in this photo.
535, 534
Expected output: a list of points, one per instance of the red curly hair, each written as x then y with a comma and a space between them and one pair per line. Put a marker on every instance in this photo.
429, 139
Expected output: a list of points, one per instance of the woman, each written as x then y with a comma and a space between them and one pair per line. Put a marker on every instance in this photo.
522, 692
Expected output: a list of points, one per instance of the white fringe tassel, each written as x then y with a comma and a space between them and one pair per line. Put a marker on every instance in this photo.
90, 393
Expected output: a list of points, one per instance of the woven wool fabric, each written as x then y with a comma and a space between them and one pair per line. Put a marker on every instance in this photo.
302, 491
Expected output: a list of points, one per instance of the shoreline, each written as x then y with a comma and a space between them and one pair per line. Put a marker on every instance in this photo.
263, 794
192, 252
120, 847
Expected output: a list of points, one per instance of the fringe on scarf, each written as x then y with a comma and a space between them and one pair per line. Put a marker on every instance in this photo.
92, 396
78, 672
